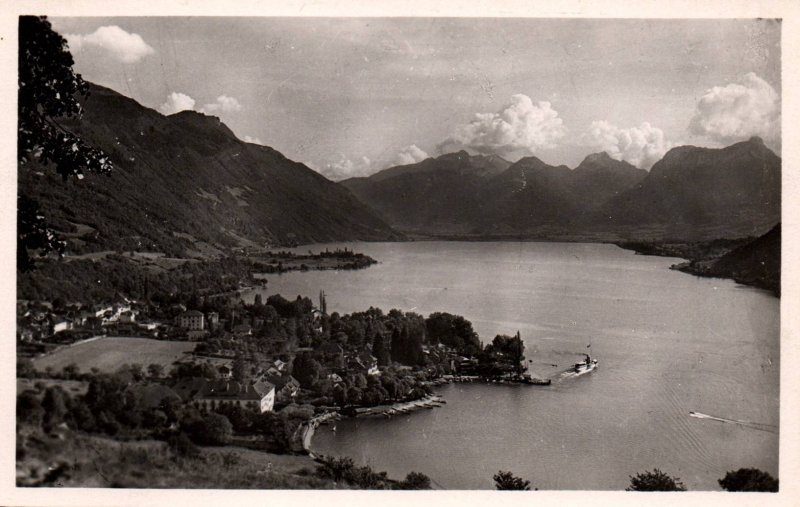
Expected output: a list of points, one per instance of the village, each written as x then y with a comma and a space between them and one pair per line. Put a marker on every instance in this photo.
211, 358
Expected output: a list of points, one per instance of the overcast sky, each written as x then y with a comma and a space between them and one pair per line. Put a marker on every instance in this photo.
352, 96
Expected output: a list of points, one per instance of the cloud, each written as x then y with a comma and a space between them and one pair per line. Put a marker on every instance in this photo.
738, 111
641, 146
176, 102
345, 168
253, 140
223, 104
121, 45
521, 127
409, 155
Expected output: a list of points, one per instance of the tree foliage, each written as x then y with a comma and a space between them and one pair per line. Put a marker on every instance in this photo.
454, 331
655, 481
306, 370
506, 481
415, 480
213, 429
48, 92
749, 479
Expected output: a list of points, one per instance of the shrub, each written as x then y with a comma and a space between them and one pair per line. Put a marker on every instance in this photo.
213, 429
749, 479
655, 481
182, 446
415, 480
29, 408
505, 481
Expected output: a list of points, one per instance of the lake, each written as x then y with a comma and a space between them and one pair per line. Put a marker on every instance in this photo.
668, 343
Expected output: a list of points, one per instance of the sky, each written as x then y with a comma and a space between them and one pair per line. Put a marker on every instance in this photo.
351, 96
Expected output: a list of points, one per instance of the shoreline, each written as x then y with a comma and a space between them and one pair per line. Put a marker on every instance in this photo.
303, 437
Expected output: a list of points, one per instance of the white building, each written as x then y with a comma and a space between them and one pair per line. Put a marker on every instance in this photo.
192, 320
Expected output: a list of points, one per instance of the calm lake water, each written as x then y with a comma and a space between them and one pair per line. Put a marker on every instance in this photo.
668, 343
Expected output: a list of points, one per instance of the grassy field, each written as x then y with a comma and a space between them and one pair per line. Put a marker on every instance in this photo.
79, 460
108, 354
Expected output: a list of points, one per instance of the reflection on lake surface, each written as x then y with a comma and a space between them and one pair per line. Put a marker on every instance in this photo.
668, 343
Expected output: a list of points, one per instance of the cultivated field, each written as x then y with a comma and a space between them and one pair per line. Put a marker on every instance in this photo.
108, 354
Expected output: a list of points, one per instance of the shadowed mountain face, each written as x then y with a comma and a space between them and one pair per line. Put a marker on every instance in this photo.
735, 190
441, 194
691, 192
756, 263
462, 194
187, 174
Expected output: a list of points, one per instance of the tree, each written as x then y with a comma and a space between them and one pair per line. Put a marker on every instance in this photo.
379, 349
213, 429
182, 446
511, 347
306, 370
454, 331
29, 408
415, 480
239, 368
25, 368
55, 406
48, 91
505, 481
71, 371
749, 479
655, 481
155, 370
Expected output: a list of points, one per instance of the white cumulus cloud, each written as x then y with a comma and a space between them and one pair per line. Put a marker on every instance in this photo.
176, 102
641, 146
345, 168
253, 140
409, 155
738, 111
520, 127
223, 104
121, 45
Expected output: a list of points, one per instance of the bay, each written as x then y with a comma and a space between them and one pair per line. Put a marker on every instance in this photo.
668, 343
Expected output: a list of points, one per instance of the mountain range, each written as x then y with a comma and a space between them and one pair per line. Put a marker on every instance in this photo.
691, 193
185, 184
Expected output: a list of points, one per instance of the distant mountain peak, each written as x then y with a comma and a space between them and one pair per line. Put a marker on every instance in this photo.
458, 155
602, 156
531, 161
602, 162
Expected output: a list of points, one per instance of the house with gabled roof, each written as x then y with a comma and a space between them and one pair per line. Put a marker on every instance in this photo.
286, 386
206, 393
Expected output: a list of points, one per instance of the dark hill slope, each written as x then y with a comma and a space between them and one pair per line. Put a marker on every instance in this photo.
531, 194
734, 191
757, 263
187, 173
599, 178
437, 195
472, 195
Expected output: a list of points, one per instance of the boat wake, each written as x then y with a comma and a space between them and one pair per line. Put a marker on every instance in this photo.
771, 428
571, 373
